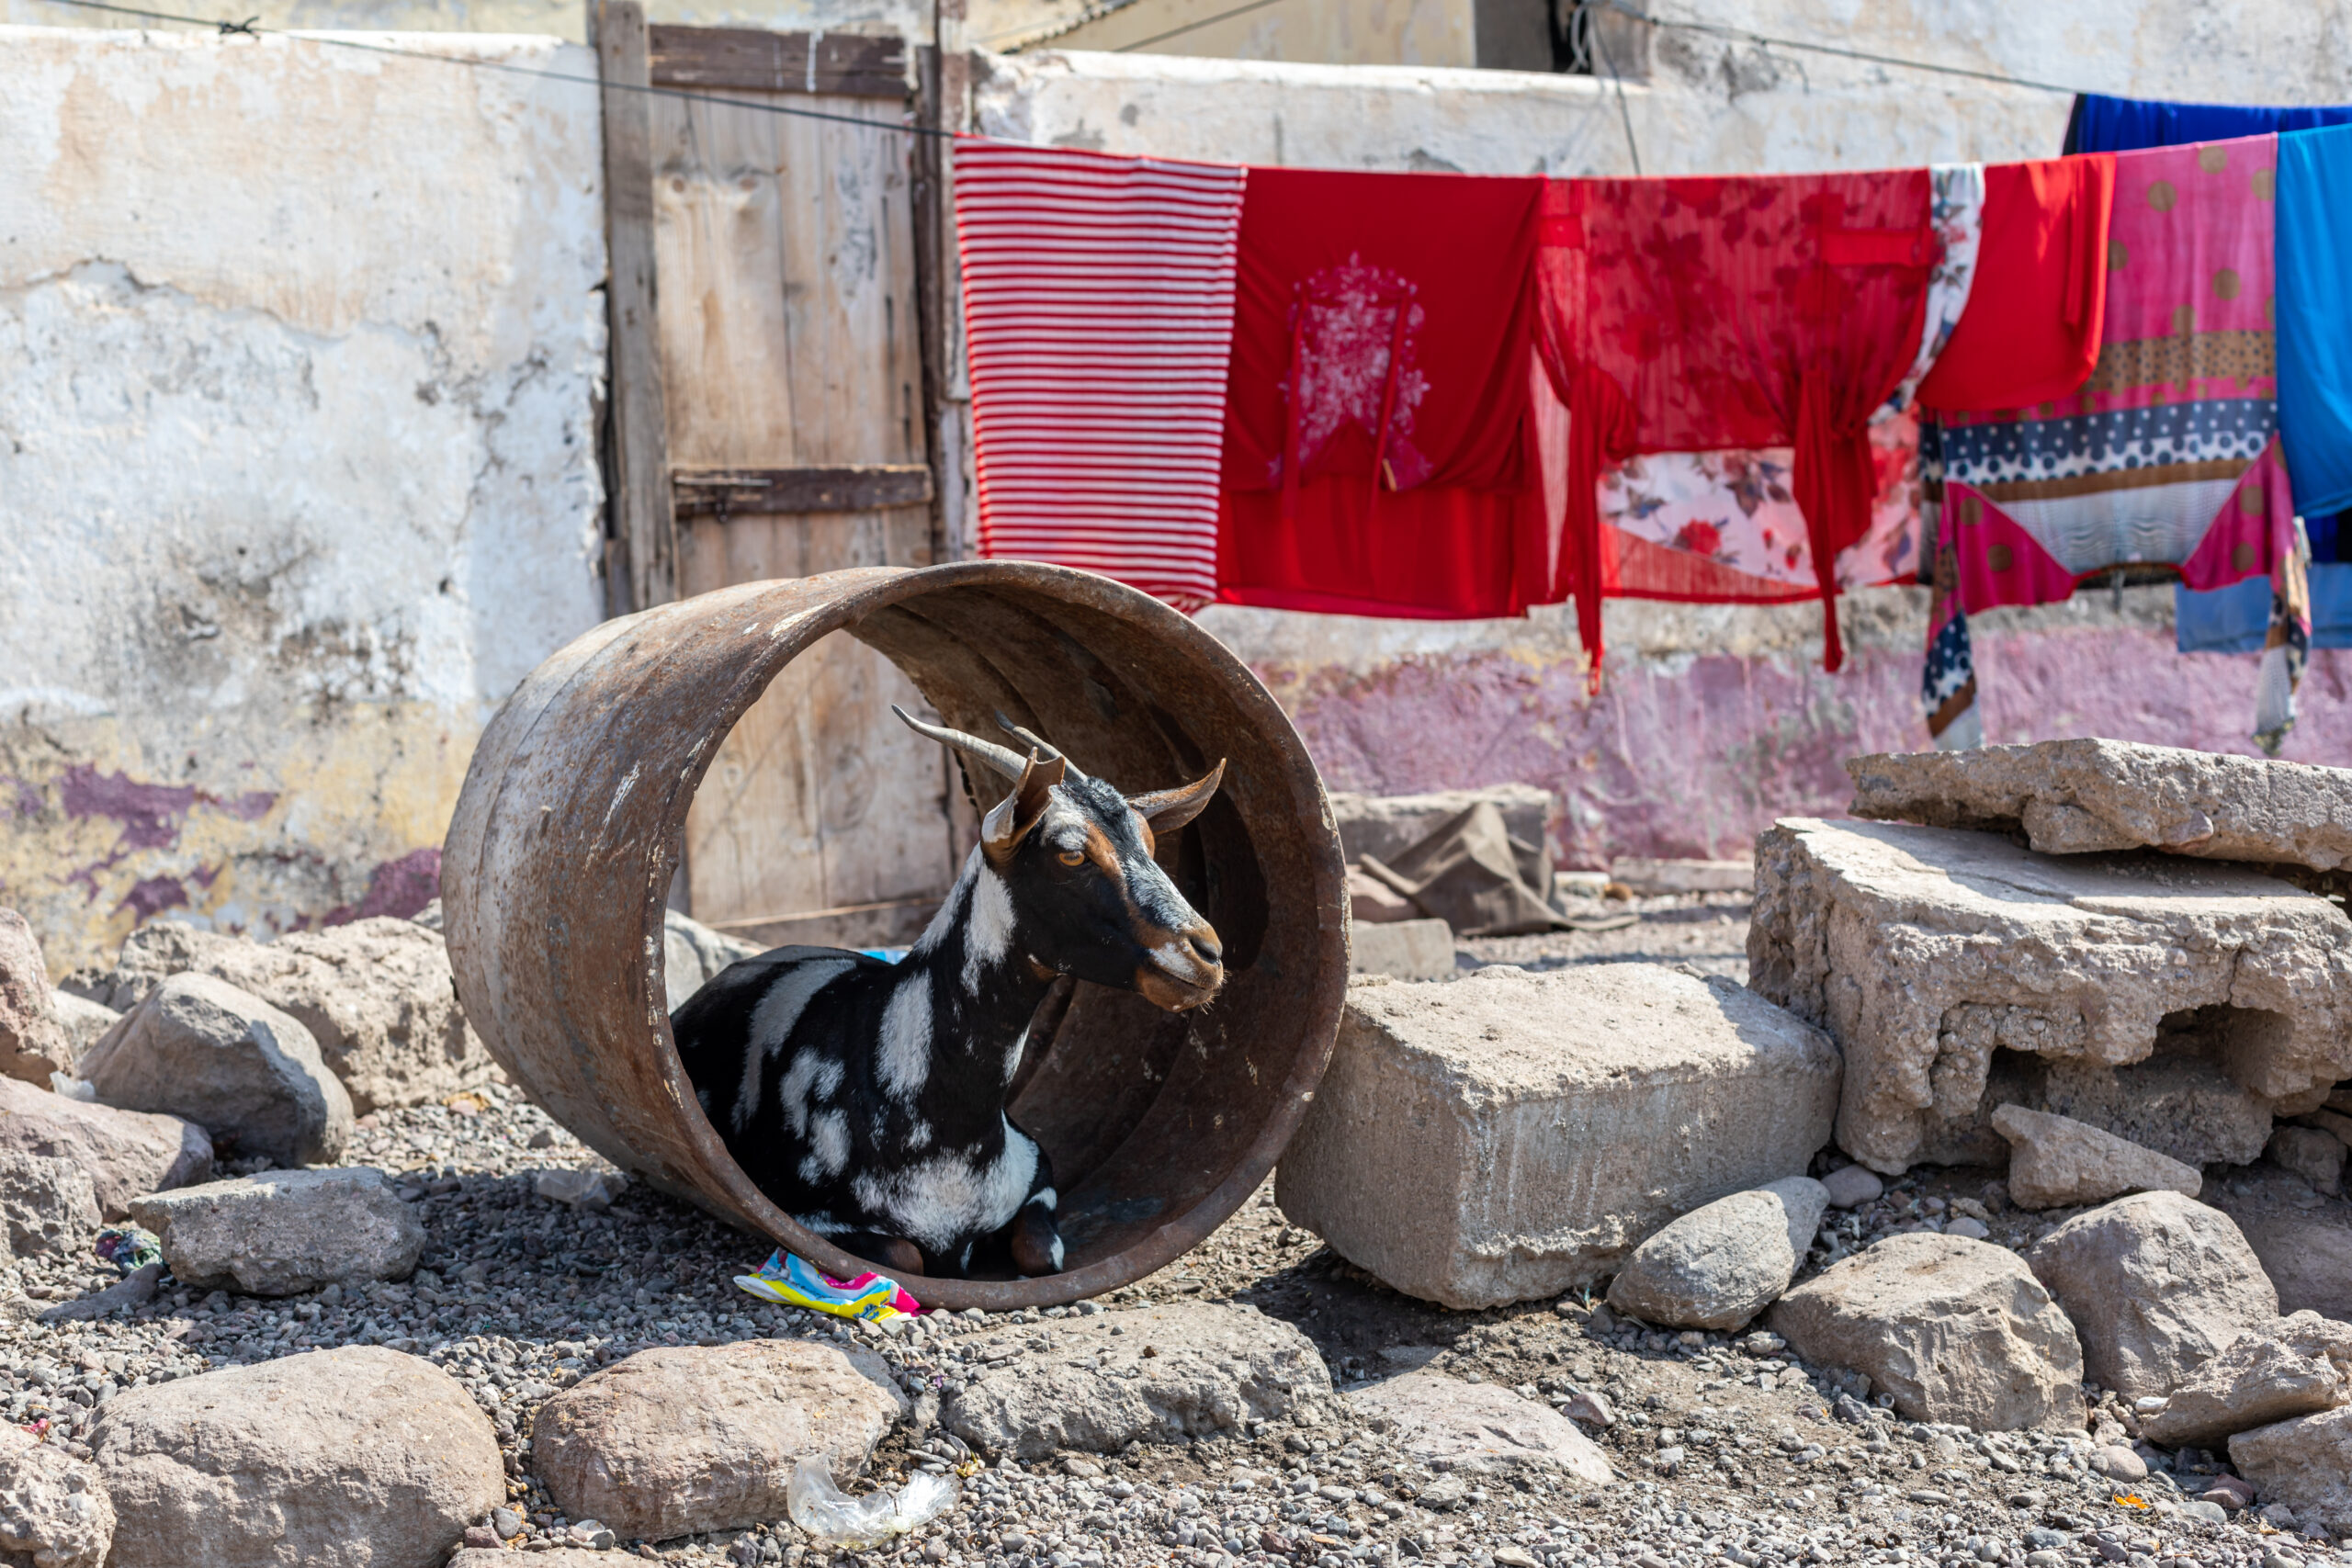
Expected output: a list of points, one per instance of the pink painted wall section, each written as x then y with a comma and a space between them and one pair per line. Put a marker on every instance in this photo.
1692, 755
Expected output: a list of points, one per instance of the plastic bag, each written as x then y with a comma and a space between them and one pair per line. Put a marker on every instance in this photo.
826, 1512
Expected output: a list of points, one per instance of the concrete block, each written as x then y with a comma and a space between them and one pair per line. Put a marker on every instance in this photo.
2081, 796
1511, 1136
2176, 1004
1402, 950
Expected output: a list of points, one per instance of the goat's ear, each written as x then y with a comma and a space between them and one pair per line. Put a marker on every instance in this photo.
1169, 809
1008, 821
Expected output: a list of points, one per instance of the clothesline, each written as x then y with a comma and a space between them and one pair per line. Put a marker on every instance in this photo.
1717, 389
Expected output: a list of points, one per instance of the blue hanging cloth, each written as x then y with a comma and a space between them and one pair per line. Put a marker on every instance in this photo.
2313, 315
2101, 124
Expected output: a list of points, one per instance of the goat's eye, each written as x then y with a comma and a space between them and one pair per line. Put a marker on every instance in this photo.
1072, 857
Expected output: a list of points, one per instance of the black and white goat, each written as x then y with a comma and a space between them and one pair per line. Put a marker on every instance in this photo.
867, 1099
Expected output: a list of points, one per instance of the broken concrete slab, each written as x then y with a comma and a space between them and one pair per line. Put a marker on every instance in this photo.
2087, 796
2057, 1162
284, 1232
1402, 950
1478, 1429
2170, 1002
1952, 1329
1385, 826
2155, 1283
1450, 1149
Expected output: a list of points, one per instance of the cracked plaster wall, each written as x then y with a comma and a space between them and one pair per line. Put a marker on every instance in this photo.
299, 353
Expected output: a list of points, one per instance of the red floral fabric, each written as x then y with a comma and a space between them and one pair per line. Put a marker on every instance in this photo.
1684, 315
1377, 445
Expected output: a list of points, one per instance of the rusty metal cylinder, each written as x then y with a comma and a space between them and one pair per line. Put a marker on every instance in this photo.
559, 862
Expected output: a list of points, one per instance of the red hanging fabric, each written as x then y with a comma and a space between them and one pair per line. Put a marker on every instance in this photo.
2037, 307
1376, 448
1685, 315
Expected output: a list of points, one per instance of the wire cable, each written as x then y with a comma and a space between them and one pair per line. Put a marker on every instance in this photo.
1746, 35
249, 28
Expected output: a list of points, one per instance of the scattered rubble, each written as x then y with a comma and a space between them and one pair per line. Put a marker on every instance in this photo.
2154, 1284
2080, 796
250, 1076
1953, 966
375, 994
1478, 1429
2261, 1377
284, 1232
2058, 1162
33, 1043
360, 1456
1952, 1330
1126, 1377
1449, 1148
126, 1152
1724, 1262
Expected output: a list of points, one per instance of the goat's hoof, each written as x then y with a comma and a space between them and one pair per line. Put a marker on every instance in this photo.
899, 1256
1037, 1244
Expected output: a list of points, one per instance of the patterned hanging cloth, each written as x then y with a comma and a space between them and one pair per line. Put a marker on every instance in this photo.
2287, 648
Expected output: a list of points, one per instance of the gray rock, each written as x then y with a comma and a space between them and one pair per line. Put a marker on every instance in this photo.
1721, 1264
2309, 1262
284, 1231
2081, 796
54, 1512
2175, 1003
375, 994
693, 955
1851, 1186
2154, 1284
126, 1152
1478, 1429
135, 1289
560, 1557
2305, 1464
2056, 1161
1176, 1371
354, 1457
1956, 1330
48, 1205
577, 1189
1449, 1148
2316, 1157
33, 1044
2265, 1376
672, 1442
1402, 950
84, 1021
248, 1073
2118, 1463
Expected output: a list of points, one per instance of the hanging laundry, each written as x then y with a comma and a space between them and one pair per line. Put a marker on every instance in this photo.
2101, 124
2238, 619
2040, 293
2169, 454
2286, 649
1702, 315
1724, 526
1948, 680
1376, 439
2314, 258
1098, 309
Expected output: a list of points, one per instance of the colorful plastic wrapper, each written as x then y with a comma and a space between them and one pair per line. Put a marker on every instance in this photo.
791, 1281
831, 1515
128, 1248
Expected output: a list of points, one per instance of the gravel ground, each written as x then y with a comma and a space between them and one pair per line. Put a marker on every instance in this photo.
520, 1296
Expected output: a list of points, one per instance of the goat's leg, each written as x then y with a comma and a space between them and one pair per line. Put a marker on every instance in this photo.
1036, 1239
890, 1254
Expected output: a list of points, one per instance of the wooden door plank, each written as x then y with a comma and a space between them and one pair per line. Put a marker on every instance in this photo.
747, 60
641, 567
838, 487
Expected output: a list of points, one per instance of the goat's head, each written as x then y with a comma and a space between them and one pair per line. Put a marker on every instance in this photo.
1076, 857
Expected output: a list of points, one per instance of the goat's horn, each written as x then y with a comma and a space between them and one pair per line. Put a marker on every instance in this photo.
1004, 759
1045, 748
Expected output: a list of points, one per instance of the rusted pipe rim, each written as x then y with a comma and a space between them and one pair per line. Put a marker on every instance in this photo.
560, 856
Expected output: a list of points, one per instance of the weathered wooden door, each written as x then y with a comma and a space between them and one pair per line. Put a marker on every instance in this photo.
785, 317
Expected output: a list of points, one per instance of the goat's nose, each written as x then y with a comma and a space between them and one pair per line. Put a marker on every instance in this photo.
1205, 947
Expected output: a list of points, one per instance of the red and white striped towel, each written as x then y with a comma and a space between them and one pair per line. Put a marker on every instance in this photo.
1098, 318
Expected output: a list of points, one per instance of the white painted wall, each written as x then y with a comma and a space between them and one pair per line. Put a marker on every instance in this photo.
299, 349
